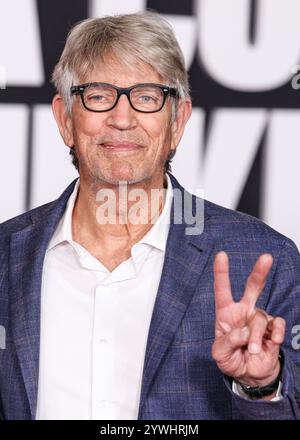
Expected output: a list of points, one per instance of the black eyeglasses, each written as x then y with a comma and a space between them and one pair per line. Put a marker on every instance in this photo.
102, 97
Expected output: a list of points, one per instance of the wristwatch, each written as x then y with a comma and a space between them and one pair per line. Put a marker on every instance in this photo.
259, 392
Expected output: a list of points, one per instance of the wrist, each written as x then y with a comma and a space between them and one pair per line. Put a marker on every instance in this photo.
262, 389
252, 382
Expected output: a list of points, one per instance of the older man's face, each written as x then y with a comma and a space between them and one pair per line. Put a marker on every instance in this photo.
102, 139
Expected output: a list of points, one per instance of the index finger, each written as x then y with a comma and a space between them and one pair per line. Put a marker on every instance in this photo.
223, 295
257, 280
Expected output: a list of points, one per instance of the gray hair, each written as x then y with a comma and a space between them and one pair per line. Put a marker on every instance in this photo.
140, 38
131, 39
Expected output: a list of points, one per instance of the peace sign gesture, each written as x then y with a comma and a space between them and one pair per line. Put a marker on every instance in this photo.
247, 339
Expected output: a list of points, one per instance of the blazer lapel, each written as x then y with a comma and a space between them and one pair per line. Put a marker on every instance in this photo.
27, 251
185, 259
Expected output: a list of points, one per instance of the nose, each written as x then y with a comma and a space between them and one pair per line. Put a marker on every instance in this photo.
122, 116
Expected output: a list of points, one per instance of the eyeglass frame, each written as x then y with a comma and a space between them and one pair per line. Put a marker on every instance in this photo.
167, 91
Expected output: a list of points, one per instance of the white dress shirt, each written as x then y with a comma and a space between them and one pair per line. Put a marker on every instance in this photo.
94, 324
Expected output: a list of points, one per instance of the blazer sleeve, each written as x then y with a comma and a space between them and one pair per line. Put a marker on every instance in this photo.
284, 301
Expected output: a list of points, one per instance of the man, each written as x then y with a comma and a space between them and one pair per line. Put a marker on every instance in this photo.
129, 319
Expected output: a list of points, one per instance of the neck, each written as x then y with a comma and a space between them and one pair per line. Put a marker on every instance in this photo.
116, 215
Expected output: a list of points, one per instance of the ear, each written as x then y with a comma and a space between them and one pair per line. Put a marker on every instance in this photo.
63, 120
184, 112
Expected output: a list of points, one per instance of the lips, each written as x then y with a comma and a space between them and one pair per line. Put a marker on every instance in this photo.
120, 146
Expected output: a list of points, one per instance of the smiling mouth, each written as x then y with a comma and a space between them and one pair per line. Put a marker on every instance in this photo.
120, 146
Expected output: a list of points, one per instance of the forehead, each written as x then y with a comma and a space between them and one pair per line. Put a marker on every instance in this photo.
122, 74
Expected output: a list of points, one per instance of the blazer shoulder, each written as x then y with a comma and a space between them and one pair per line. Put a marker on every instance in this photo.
234, 229
236, 225
40, 213
19, 222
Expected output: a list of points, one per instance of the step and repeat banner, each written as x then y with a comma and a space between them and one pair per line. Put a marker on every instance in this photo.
242, 144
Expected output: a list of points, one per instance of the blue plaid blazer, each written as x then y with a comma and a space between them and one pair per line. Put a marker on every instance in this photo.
180, 378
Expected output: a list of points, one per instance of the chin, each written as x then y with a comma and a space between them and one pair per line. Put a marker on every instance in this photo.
114, 180
123, 177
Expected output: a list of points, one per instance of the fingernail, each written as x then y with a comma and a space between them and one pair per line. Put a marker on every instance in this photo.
253, 348
277, 337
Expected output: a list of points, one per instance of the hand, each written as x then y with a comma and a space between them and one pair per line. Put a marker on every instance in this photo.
247, 339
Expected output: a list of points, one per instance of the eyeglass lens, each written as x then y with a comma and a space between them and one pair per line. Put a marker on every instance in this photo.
103, 97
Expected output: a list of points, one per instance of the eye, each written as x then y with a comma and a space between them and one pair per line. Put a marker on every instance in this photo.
99, 94
97, 98
146, 95
147, 99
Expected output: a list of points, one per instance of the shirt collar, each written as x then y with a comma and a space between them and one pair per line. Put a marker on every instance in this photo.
155, 237
63, 232
158, 234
